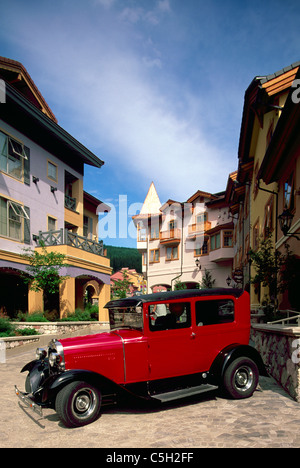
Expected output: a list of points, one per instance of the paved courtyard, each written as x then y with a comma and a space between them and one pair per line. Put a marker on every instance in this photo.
269, 419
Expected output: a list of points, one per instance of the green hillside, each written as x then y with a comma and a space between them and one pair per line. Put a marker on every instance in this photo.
124, 257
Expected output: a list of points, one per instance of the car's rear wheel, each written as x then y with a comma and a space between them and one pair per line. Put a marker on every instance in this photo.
241, 378
78, 404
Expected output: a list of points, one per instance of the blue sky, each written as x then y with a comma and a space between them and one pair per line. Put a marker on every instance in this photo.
155, 88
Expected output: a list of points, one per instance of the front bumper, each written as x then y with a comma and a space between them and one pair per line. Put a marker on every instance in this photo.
27, 400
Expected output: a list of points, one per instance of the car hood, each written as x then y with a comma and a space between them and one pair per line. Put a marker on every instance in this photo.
102, 353
112, 338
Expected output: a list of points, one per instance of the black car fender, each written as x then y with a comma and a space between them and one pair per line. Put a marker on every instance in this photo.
56, 382
229, 354
38, 373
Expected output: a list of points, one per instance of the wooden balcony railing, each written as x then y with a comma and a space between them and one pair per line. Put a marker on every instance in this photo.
199, 228
170, 236
65, 237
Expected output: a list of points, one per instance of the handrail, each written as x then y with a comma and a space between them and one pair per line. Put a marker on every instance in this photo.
287, 319
66, 237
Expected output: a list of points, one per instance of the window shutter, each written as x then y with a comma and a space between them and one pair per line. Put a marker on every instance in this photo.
27, 166
27, 226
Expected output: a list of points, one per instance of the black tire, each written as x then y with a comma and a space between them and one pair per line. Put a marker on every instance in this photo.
241, 378
78, 404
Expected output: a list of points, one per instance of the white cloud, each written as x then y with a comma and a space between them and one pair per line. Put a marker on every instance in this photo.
105, 92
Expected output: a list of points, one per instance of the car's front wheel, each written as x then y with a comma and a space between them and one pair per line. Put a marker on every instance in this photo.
78, 404
241, 378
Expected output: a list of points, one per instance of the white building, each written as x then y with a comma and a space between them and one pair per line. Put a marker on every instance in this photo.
183, 241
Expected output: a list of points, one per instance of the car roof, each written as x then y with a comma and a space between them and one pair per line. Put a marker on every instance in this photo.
173, 295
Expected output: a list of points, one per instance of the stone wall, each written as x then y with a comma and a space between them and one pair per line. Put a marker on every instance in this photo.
279, 346
48, 328
52, 328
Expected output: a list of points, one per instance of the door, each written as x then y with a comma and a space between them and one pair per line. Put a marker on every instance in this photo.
171, 340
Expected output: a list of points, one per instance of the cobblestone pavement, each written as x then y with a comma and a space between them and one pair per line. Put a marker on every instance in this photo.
270, 418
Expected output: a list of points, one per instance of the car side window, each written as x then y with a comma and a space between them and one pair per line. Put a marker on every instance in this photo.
214, 312
168, 316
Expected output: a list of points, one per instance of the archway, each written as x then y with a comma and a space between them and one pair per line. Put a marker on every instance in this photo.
160, 287
191, 284
14, 293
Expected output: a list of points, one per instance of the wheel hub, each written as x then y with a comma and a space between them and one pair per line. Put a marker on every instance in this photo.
244, 378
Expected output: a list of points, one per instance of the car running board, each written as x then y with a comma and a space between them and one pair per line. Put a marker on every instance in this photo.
185, 392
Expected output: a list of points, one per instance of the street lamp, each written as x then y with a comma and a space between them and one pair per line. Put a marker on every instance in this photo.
285, 222
228, 281
198, 265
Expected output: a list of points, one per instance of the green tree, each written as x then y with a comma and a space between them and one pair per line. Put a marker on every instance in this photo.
124, 257
44, 268
179, 285
267, 263
121, 287
207, 280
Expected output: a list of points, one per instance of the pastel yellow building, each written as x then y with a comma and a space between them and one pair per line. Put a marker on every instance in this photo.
256, 201
42, 202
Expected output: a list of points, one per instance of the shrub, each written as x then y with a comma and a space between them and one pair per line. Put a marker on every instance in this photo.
86, 315
6, 328
26, 331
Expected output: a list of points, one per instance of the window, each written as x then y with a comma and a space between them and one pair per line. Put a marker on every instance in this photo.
172, 253
201, 219
215, 241
87, 227
201, 248
228, 238
214, 312
12, 154
268, 221
51, 224
141, 232
154, 232
154, 256
52, 171
14, 220
169, 316
256, 235
289, 193
173, 225
255, 181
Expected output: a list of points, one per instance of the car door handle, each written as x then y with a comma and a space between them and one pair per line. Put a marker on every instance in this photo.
193, 335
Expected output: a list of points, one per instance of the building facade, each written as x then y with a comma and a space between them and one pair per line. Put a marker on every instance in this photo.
185, 243
268, 174
42, 201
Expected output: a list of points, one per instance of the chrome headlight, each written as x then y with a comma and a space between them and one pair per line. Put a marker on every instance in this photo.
56, 355
54, 359
40, 354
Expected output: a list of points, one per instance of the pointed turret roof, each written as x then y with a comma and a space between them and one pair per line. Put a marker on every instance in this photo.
151, 205
152, 202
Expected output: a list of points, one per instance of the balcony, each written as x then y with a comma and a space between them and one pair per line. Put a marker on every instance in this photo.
198, 228
65, 237
70, 203
172, 236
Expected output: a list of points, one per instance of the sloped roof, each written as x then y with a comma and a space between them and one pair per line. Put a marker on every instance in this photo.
151, 205
15, 74
258, 98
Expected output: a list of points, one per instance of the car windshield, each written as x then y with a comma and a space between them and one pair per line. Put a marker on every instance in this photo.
126, 317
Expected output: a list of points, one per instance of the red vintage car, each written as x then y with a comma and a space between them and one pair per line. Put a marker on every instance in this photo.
160, 346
